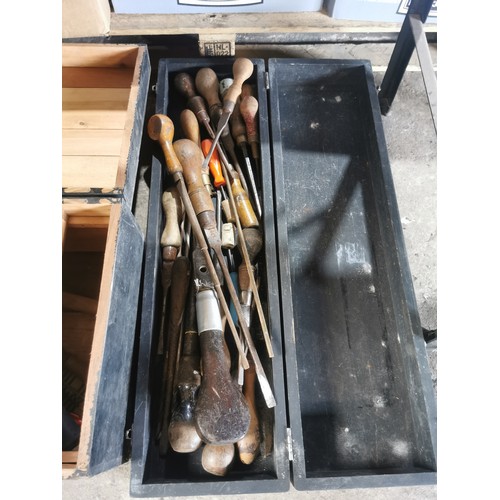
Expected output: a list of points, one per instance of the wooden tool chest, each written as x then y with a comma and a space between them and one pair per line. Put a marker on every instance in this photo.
104, 90
355, 405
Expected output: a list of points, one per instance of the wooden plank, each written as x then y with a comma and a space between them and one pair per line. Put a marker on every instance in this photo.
97, 77
79, 303
95, 95
89, 171
99, 55
86, 222
76, 207
91, 142
93, 118
278, 22
69, 457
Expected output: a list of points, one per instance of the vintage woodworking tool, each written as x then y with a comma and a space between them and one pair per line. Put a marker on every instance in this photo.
182, 433
170, 242
248, 108
238, 131
242, 70
207, 85
248, 446
191, 130
221, 414
190, 126
216, 459
181, 272
189, 154
161, 129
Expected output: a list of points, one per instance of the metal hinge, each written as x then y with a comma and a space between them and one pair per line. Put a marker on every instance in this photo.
289, 443
266, 80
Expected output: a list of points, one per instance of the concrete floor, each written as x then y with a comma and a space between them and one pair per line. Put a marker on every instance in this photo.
411, 142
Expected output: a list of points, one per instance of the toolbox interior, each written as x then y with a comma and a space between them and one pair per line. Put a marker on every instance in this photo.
183, 470
361, 406
85, 231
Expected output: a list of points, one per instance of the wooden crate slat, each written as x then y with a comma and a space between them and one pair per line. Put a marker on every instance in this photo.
91, 142
90, 171
97, 77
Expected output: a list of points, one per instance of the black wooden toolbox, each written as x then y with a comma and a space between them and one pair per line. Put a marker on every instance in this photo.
355, 403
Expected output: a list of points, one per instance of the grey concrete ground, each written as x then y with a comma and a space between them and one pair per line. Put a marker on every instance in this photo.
411, 141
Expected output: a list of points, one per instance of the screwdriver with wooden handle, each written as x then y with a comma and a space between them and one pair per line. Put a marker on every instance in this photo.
207, 84
184, 83
242, 70
161, 129
189, 154
170, 242
248, 108
238, 131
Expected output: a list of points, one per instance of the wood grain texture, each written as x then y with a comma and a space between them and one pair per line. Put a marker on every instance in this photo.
97, 77
279, 22
99, 55
91, 142
95, 171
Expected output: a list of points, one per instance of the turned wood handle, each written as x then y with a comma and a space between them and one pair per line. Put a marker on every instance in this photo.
184, 83
216, 459
172, 208
190, 126
221, 414
161, 129
253, 242
242, 70
207, 85
191, 159
248, 108
238, 128
243, 205
248, 446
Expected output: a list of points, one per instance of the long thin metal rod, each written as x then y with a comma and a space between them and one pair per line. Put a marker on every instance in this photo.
246, 257
200, 238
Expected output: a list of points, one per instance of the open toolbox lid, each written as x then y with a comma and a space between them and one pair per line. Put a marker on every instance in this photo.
361, 401
104, 95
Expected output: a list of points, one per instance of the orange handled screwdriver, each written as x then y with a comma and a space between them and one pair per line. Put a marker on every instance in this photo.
214, 163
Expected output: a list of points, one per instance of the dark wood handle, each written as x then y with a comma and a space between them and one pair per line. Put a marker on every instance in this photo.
191, 159
207, 85
184, 83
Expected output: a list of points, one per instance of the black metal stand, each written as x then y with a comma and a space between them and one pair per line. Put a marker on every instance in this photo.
410, 37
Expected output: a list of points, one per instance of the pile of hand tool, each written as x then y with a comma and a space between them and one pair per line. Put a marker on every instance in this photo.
211, 246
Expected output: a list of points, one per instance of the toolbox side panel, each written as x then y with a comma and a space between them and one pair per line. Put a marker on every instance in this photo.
110, 406
363, 414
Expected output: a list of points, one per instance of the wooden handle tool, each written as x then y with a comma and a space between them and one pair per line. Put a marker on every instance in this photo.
221, 414
181, 271
203, 208
182, 433
161, 129
248, 446
242, 70
216, 459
